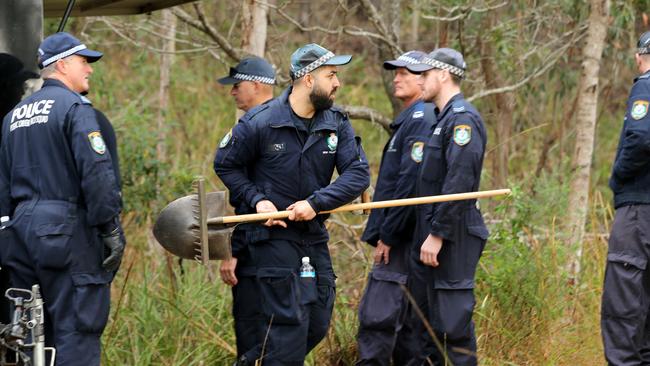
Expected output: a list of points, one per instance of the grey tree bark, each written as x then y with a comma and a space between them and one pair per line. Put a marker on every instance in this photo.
585, 129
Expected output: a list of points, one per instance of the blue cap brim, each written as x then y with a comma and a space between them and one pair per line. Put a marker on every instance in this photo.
228, 80
419, 68
90, 55
339, 60
394, 64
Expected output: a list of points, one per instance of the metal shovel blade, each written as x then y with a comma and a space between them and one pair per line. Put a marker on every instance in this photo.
176, 227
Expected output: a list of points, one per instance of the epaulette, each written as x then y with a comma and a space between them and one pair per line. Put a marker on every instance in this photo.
254, 111
458, 108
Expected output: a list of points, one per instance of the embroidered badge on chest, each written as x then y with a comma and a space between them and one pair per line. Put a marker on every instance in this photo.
417, 152
225, 140
462, 135
97, 142
332, 141
639, 109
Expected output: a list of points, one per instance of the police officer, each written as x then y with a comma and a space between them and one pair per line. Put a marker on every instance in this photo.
625, 324
58, 185
281, 155
383, 306
452, 234
252, 83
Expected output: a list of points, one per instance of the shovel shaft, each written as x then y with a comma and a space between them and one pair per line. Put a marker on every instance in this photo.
363, 206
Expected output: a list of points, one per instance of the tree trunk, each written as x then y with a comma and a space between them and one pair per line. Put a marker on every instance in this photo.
415, 24
254, 27
504, 108
166, 61
391, 11
585, 129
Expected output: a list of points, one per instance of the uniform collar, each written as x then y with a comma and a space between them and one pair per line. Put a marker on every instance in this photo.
645, 75
321, 120
54, 82
405, 114
449, 105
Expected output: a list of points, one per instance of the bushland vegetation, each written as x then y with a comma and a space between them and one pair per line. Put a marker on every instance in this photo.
524, 61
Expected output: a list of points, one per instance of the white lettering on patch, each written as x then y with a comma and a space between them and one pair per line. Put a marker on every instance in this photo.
31, 114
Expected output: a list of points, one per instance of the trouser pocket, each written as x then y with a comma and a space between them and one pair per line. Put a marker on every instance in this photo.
279, 290
92, 299
53, 249
382, 305
624, 285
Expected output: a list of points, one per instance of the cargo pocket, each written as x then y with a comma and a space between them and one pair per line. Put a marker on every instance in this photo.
279, 293
53, 249
308, 290
92, 299
383, 301
623, 286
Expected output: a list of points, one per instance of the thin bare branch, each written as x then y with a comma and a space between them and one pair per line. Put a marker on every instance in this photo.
465, 12
368, 114
202, 25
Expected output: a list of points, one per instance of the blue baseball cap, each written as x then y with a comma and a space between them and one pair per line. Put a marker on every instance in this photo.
408, 58
61, 45
441, 58
312, 56
250, 69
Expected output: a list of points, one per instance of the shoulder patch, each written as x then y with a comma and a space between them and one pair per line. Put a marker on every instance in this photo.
85, 100
462, 135
97, 142
639, 109
417, 152
459, 109
226, 139
418, 114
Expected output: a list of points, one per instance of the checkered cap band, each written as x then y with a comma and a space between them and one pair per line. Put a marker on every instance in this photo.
409, 60
261, 79
643, 50
313, 66
61, 55
445, 66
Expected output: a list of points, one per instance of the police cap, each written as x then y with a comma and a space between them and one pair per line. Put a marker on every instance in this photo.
442, 58
312, 56
643, 46
408, 58
61, 45
250, 69
11, 68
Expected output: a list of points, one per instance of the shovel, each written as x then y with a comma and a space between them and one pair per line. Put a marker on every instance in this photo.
206, 234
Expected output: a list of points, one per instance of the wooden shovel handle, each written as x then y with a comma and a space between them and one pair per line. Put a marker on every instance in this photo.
363, 206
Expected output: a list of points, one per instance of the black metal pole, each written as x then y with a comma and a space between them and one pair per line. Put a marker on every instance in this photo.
66, 15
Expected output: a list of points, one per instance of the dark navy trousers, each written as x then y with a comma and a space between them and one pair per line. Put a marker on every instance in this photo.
382, 311
296, 312
625, 324
50, 245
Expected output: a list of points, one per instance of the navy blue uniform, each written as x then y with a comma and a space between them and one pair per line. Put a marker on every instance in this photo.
383, 305
58, 185
270, 154
626, 292
453, 159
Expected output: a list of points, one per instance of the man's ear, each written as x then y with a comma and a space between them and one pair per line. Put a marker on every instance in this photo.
309, 80
61, 66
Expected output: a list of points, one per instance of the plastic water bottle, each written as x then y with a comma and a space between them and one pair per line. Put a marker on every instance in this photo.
306, 270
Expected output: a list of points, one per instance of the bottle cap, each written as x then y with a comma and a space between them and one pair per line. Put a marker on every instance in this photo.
6, 218
305, 260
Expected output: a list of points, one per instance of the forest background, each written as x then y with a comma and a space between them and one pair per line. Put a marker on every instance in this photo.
549, 77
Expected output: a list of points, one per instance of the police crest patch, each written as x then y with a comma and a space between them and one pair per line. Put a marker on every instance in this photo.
462, 135
639, 109
225, 140
97, 142
332, 141
417, 152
